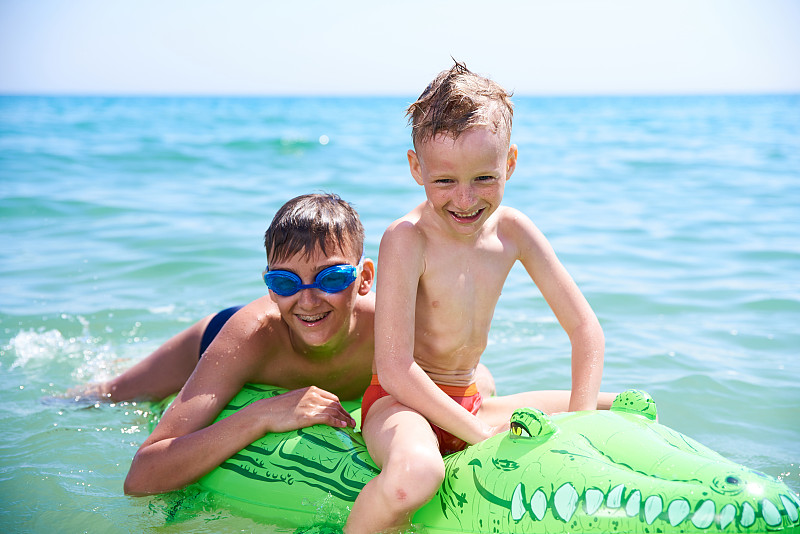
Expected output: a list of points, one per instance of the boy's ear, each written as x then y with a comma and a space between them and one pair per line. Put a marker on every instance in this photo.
414, 166
367, 277
511, 162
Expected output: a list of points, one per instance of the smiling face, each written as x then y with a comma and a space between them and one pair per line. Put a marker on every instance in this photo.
317, 319
464, 178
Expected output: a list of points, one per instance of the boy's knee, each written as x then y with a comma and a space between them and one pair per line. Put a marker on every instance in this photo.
412, 479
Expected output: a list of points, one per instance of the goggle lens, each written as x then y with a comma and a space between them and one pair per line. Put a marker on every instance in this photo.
330, 280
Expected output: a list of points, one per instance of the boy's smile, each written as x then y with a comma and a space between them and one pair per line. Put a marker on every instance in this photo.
312, 319
467, 218
464, 179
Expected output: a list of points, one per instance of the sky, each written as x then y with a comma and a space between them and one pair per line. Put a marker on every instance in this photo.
316, 47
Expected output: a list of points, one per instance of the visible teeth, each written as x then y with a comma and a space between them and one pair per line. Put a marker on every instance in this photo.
311, 318
539, 504
593, 498
770, 513
704, 515
726, 515
517, 504
466, 215
565, 500
677, 511
653, 507
748, 515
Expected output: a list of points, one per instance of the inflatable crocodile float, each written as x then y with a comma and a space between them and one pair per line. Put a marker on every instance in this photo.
604, 471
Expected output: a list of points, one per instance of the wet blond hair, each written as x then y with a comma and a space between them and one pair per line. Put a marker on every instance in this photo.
456, 101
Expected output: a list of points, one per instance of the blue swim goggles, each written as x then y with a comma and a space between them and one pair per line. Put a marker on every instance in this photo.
330, 280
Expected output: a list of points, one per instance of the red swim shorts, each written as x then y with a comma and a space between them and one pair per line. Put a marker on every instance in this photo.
466, 396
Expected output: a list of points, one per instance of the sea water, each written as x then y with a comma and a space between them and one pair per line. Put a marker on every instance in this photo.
124, 220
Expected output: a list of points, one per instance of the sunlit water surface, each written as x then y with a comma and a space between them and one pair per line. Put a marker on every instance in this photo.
125, 220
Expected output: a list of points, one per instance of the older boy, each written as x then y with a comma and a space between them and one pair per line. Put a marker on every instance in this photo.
315, 327
442, 270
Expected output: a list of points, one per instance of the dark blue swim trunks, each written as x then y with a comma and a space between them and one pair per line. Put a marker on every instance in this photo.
214, 326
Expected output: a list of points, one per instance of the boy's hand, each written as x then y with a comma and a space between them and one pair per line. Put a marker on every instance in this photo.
305, 407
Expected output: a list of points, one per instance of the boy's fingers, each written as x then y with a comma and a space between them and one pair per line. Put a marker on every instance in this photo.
316, 405
337, 416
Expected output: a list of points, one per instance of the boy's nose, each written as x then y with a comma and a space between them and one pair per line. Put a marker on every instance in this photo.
308, 297
465, 198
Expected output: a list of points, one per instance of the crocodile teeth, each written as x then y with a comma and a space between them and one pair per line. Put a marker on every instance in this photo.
790, 509
677, 511
566, 501
594, 498
632, 506
748, 515
652, 508
704, 515
726, 515
770, 513
615, 497
539, 504
517, 504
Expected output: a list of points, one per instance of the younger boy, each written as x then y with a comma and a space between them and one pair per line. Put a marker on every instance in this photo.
443, 267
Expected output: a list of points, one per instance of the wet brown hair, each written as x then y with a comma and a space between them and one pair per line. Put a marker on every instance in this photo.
308, 222
456, 101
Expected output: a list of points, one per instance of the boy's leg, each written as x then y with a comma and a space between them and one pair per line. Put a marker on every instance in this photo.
497, 410
403, 445
159, 375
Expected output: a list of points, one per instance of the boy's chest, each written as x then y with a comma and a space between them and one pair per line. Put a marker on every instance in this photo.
453, 315
345, 373
455, 274
347, 382
466, 286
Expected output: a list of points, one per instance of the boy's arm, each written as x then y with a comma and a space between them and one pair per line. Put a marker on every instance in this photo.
185, 445
401, 265
570, 308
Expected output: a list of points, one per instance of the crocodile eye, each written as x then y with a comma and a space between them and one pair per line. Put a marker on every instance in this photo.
519, 430
732, 480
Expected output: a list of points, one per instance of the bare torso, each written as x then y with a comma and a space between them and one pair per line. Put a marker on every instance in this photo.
457, 293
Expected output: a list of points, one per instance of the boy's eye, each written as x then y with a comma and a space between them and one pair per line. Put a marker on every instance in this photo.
484, 178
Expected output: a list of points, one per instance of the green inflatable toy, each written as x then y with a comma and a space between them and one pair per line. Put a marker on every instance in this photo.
604, 471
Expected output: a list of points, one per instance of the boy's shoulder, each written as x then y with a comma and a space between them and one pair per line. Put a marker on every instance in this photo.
409, 226
509, 216
516, 227
405, 238
260, 315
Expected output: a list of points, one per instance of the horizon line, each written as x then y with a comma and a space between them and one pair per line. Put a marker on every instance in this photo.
254, 95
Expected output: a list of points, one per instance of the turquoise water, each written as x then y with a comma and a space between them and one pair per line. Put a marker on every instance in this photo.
126, 219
